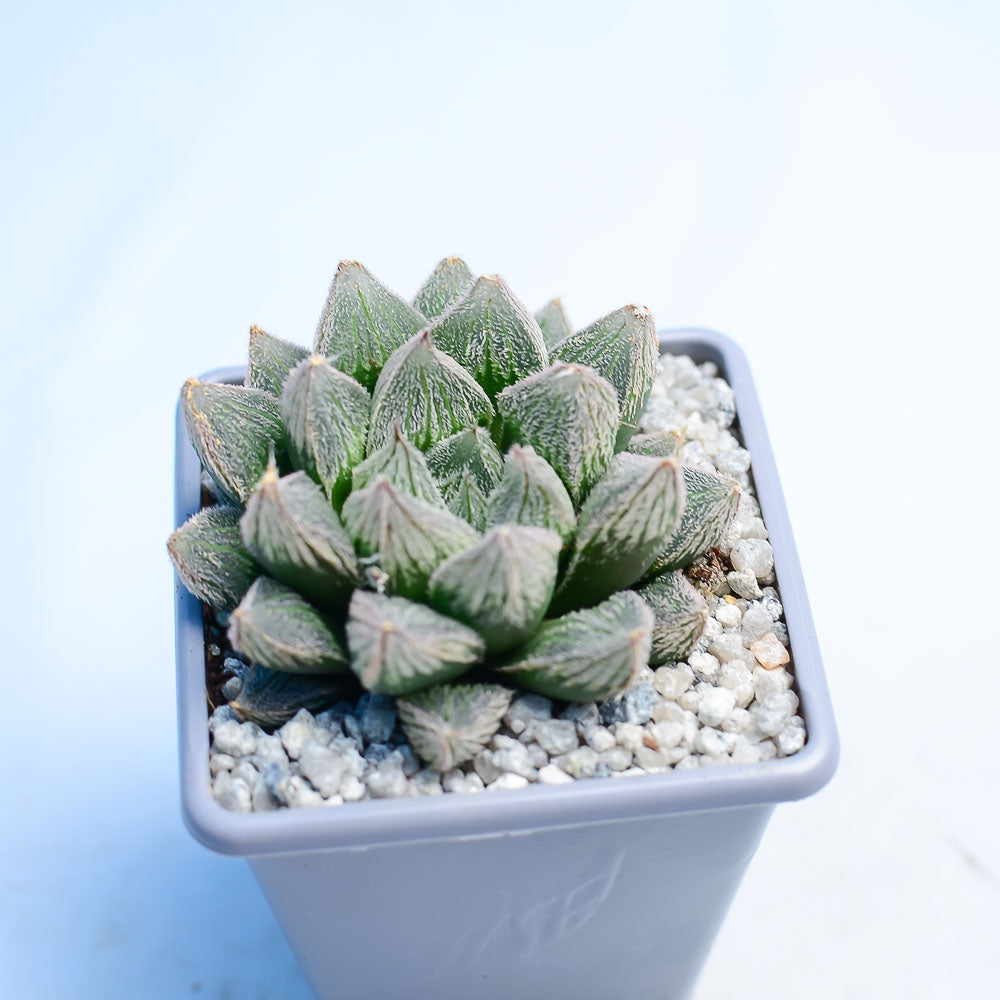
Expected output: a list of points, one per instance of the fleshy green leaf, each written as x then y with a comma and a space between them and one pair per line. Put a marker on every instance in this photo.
427, 393
502, 585
586, 655
466, 466
553, 322
325, 413
407, 538
450, 723
404, 465
211, 559
493, 335
234, 431
623, 347
448, 282
294, 533
680, 613
659, 444
276, 626
398, 646
272, 697
363, 323
569, 415
271, 359
530, 492
621, 528
711, 504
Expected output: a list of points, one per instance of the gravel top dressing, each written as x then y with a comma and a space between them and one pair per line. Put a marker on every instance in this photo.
730, 702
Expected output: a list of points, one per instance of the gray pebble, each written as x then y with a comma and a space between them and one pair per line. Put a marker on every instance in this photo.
634, 706
744, 583
525, 709
377, 716
584, 715
375, 753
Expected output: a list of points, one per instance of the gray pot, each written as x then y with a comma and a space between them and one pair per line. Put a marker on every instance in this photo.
602, 888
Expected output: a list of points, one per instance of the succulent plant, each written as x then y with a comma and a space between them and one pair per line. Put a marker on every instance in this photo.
445, 501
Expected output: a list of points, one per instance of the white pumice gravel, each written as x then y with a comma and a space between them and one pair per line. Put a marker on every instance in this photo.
731, 702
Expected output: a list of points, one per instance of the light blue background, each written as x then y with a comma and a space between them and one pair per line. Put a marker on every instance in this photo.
818, 180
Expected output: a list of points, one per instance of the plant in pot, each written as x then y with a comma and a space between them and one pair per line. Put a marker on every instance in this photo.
439, 553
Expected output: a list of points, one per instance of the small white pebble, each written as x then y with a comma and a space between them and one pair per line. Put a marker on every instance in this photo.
555, 736
600, 738
581, 762
770, 681
322, 766
791, 739
234, 738
628, 735
224, 762
754, 554
617, 758
352, 788
507, 781
756, 623
650, 760
425, 782
738, 678
673, 681
711, 742
232, 793
295, 733
552, 775
744, 583
716, 703
524, 709
727, 646
728, 614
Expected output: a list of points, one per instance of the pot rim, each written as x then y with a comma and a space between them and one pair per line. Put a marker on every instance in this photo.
360, 825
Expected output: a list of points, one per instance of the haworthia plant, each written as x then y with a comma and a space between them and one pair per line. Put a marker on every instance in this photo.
211, 559
709, 508
325, 413
272, 697
502, 585
467, 467
569, 415
553, 323
398, 646
462, 506
680, 614
279, 628
363, 323
404, 465
448, 282
270, 360
585, 655
408, 537
427, 394
493, 335
235, 431
530, 492
292, 531
450, 723
660, 444
621, 528
622, 346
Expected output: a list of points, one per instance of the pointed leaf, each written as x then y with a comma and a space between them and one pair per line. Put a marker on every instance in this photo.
585, 655
569, 415
623, 347
659, 444
711, 504
449, 281
404, 465
627, 517
427, 393
467, 466
531, 493
272, 697
493, 335
363, 323
680, 613
276, 626
294, 533
211, 559
408, 538
271, 359
450, 723
234, 430
398, 646
502, 585
553, 322
325, 413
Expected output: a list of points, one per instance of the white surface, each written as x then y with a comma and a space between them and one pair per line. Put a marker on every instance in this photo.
819, 181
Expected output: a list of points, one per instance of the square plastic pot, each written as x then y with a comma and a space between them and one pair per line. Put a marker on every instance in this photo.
600, 888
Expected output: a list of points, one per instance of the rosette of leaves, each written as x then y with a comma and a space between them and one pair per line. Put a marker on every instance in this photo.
445, 501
